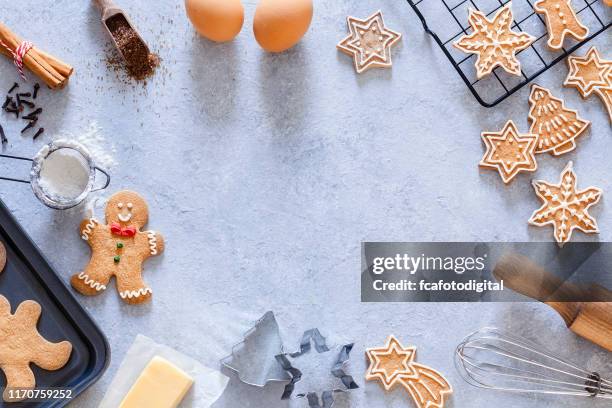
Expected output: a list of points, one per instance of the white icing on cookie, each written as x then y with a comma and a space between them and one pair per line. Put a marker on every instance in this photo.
90, 282
125, 217
89, 228
135, 293
152, 242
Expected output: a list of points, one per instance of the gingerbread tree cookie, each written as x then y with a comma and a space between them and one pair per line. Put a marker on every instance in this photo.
394, 365
119, 249
494, 42
369, 42
509, 152
565, 207
557, 127
561, 20
591, 74
21, 344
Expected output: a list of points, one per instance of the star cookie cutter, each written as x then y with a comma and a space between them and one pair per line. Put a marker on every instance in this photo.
253, 359
327, 398
394, 365
494, 42
369, 42
509, 152
565, 207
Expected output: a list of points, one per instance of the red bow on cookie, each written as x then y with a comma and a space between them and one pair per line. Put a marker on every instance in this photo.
116, 229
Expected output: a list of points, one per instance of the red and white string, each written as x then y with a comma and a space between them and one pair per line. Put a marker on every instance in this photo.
19, 54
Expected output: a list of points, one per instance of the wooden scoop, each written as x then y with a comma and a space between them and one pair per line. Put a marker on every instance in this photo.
591, 320
113, 18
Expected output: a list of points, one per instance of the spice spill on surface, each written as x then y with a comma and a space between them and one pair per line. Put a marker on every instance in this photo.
140, 63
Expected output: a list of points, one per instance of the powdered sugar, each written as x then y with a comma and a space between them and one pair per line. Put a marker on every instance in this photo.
64, 175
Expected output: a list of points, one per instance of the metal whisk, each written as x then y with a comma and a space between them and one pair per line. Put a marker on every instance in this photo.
492, 359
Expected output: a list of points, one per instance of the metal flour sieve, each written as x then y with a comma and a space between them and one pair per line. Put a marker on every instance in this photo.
46, 197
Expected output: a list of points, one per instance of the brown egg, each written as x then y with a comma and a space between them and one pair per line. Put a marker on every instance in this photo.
280, 24
217, 20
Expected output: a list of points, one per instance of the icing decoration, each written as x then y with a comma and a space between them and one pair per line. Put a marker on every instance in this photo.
89, 228
152, 242
92, 283
117, 229
494, 42
129, 294
117, 259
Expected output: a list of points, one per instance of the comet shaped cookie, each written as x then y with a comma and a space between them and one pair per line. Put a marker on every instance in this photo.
394, 365
119, 249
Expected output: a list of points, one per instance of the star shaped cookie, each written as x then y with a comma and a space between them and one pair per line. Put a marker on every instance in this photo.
565, 207
591, 74
509, 152
369, 42
494, 42
391, 363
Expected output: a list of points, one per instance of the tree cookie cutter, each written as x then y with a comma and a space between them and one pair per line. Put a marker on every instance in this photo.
253, 358
58, 202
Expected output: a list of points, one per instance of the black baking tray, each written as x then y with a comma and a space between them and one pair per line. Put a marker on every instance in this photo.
28, 275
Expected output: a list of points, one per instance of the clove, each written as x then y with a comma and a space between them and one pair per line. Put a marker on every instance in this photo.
28, 104
33, 114
36, 88
25, 94
15, 86
39, 132
7, 101
3, 136
29, 125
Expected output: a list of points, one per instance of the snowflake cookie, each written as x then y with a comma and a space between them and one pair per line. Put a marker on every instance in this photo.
565, 207
21, 344
119, 249
494, 42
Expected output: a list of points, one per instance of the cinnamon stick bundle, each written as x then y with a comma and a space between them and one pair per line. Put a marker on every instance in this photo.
48, 68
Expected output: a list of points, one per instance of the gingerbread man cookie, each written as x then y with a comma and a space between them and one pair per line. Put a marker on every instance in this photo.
561, 20
119, 249
22, 344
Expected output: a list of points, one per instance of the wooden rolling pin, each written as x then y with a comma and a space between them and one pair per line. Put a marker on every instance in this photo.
590, 320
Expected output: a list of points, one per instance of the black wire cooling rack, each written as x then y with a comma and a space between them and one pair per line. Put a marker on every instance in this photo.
447, 20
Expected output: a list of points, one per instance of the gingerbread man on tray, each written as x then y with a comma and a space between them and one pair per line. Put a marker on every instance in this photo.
119, 249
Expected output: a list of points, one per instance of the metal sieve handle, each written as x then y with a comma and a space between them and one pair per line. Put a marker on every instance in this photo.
108, 179
8, 156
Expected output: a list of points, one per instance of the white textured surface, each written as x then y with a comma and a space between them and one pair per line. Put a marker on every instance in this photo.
265, 172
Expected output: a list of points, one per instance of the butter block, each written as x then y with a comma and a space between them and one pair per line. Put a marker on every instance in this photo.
160, 385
